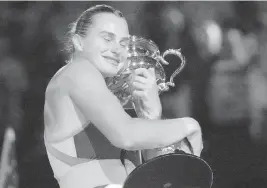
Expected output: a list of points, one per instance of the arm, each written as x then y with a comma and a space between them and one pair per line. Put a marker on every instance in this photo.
114, 186
89, 92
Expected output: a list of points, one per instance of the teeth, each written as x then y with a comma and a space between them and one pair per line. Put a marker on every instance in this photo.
112, 61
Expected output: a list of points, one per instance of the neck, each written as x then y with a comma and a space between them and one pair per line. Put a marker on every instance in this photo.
79, 57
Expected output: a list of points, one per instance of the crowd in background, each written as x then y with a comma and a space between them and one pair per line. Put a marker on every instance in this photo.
224, 84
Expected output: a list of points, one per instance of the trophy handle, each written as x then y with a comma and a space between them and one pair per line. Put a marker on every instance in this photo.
177, 52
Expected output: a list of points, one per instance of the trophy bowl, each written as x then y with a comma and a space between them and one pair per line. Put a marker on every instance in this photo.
144, 53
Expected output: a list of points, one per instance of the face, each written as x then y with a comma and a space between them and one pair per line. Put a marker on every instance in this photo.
106, 42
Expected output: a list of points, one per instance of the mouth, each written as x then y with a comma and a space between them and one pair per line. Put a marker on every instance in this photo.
114, 61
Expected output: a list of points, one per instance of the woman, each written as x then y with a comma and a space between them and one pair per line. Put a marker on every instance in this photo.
85, 125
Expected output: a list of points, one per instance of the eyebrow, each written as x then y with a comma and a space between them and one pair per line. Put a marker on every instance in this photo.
113, 35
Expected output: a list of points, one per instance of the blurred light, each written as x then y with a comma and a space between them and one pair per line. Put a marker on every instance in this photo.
174, 18
214, 36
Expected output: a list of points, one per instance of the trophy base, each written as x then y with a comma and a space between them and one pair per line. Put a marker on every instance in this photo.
171, 171
182, 146
152, 153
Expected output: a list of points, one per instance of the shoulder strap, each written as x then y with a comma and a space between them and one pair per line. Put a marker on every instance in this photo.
69, 160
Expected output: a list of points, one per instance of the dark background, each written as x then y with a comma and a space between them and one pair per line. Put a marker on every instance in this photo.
224, 84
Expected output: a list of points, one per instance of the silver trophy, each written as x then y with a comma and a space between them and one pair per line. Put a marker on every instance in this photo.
144, 53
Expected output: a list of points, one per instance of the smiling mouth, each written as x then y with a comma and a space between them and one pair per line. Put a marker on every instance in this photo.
113, 60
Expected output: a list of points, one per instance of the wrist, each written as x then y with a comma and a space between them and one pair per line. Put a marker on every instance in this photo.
156, 113
148, 113
153, 115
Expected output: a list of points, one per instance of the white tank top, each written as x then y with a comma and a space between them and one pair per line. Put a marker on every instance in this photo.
100, 167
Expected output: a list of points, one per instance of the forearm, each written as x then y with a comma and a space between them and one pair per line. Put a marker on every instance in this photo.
150, 134
110, 186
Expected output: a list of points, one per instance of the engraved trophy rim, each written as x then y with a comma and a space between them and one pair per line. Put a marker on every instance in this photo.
135, 39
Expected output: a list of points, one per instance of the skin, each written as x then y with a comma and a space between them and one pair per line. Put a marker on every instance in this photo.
105, 43
105, 47
74, 95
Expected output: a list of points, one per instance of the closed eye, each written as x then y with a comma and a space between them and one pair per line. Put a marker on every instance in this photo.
124, 43
107, 38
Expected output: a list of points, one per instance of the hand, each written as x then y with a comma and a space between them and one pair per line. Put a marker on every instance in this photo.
183, 145
196, 142
145, 88
194, 138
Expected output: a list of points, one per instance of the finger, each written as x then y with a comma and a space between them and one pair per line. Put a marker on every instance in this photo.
152, 71
139, 86
142, 72
185, 147
140, 79
141, 94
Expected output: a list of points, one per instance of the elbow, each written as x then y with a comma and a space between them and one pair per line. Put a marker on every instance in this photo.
122, 138
132, 142
127, 141
124, 142
127, 145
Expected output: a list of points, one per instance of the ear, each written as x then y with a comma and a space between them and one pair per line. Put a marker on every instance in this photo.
77, 42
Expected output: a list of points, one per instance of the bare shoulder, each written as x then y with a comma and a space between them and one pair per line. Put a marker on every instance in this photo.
75, 75
54, 83
82, 74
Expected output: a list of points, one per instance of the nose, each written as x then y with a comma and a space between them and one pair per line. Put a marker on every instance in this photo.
116, 48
